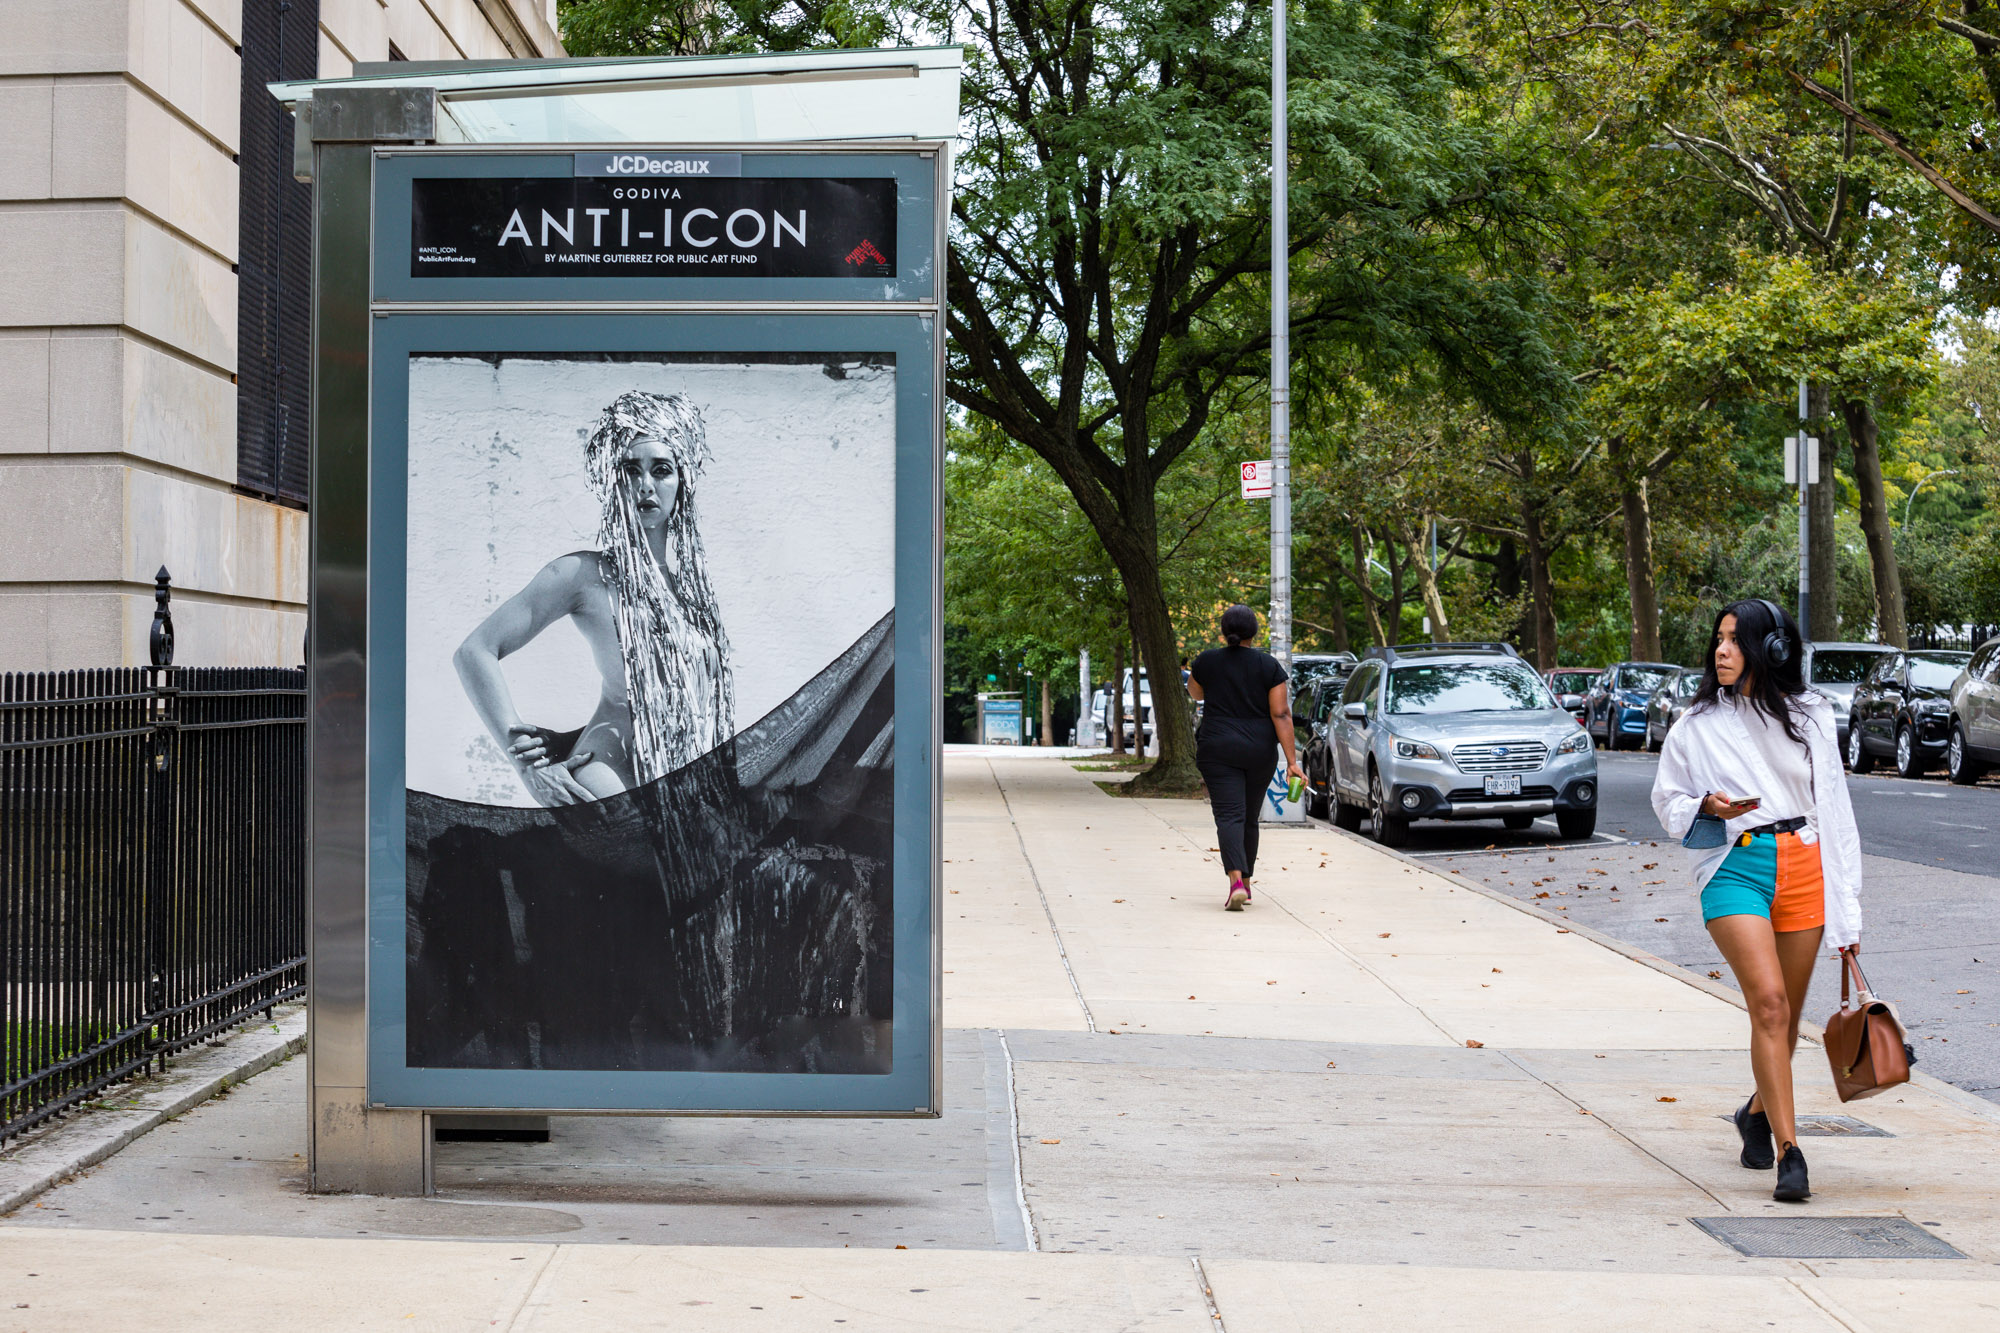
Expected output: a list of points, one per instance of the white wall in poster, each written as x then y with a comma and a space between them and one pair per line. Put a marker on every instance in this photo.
796, 508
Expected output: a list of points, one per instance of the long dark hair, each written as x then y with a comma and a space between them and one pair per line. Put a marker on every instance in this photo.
1773, 685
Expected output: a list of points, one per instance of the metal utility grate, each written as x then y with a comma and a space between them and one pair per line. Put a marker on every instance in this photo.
1833, 1127
1826, 1237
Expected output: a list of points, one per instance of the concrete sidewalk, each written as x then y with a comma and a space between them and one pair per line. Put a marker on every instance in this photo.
1378, 1099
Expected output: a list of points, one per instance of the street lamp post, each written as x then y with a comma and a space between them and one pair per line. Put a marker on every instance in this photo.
1942, 472
1281, 354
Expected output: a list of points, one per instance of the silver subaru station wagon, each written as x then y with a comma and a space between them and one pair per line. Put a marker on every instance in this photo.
1457, 731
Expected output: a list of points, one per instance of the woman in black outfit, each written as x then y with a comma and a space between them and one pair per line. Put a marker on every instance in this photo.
1246, 712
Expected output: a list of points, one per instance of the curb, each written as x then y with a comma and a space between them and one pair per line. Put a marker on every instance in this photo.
52, 1154
1949, 1092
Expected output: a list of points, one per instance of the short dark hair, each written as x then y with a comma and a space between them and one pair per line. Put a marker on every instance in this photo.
1239, 622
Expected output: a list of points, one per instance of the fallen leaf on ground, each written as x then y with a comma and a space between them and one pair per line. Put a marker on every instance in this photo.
1117, 900
1051, 1140
1715, 976
1383, 936
1329, 1064
1476, 1045
1496, 969
1563, 930
1666, 1099
1659, 918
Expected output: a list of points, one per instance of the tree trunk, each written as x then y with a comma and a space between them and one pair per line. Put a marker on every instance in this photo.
1338, 606
1367, 589
1117, 695
1863, 434
1427, 587
1825, 602
1048, 717
1542, 588
1639, 584
1174, 772
1397, 568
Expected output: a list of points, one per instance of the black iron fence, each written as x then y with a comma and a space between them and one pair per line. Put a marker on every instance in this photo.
152, 867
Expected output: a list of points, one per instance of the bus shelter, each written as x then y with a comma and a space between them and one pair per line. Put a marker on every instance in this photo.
627, 421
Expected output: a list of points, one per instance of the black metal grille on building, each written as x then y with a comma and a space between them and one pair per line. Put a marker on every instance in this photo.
152, 867
274, 257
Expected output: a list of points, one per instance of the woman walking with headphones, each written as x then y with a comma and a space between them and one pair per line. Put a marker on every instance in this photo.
1751, 781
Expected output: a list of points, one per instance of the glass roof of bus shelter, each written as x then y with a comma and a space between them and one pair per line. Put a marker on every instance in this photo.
890, 93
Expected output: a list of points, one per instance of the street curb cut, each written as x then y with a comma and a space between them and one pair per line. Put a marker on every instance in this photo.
1957, 1096
49, 1156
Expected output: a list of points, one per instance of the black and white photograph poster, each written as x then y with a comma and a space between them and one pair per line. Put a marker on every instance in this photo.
649, 711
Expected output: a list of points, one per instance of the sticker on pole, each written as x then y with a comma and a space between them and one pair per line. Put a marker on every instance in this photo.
1257, 476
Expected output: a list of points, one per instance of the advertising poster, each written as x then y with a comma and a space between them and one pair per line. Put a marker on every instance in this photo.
649, 682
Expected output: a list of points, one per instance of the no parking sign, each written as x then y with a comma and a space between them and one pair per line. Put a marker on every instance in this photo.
1257, 476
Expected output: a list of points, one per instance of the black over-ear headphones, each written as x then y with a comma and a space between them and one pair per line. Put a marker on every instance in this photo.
1777, 644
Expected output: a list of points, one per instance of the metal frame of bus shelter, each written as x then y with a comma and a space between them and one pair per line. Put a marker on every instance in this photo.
358, 1142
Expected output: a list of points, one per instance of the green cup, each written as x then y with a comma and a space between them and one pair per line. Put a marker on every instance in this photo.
1295, 789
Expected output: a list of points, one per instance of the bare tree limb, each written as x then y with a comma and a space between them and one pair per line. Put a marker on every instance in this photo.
1894, 143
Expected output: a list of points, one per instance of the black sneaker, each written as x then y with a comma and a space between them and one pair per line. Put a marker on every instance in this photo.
1755, 1127
1792, 1185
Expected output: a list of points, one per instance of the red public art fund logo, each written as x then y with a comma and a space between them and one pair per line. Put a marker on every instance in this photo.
866, 253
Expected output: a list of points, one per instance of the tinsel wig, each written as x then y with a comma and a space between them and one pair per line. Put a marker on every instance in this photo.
676, 655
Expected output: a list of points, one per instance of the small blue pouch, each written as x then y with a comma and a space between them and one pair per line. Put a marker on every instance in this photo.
1706, 831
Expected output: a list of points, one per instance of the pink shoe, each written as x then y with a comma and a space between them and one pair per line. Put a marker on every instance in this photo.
1239, 894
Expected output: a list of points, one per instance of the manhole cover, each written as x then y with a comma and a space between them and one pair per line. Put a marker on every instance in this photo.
1833, 1127
1826, 1237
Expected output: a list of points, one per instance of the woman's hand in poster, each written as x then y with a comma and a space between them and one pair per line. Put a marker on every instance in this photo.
550, 783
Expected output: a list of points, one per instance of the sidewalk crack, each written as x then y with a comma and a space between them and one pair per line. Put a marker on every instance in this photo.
1207, 1293
1089, 1019
534, 1288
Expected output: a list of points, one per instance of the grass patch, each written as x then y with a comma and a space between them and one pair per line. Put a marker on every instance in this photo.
1115, 766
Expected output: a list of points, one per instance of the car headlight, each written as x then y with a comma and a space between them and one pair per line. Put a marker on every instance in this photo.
1934, 706
1415, 750
1575, 744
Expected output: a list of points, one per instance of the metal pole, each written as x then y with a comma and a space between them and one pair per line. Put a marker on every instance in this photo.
1281, 353
1805, 531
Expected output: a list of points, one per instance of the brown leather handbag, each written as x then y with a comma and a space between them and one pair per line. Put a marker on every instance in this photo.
1865, 1041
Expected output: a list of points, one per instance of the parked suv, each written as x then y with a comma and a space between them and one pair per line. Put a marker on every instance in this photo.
1834, 669
1615, 706
1138, 712
1974, 744
1667, 703
1902, 708
1457, 731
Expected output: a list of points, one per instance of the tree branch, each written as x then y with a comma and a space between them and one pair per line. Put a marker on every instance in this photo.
1894, 143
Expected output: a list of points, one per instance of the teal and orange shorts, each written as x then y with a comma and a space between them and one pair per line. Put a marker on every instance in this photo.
1772, 875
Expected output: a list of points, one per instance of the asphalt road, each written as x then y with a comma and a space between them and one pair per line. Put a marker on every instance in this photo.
1930, 898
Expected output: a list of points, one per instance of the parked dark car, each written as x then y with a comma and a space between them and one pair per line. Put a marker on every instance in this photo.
1570, 684
1615, 706
1666, 704
1307, 667
1975, 716
1313, 710
1902, 710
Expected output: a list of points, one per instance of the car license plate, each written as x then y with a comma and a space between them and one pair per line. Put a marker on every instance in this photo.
1503, 784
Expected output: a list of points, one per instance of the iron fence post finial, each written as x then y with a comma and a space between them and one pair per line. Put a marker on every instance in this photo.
161, 644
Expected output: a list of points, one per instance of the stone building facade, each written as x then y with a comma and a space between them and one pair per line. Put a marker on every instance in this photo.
152, 310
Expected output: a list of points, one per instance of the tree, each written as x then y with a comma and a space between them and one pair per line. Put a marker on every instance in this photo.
1110, 255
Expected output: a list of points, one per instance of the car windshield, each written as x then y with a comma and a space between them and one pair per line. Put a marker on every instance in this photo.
1464, 687
1841, 666
1686, 684
1936, 671
1643, 679
1573, 682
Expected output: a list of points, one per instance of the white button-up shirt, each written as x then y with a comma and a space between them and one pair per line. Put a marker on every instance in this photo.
1711, 750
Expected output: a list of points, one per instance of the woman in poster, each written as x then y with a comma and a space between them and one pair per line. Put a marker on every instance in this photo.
643, 604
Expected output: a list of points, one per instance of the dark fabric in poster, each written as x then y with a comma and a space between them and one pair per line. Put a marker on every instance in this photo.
746, 227
734, 915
